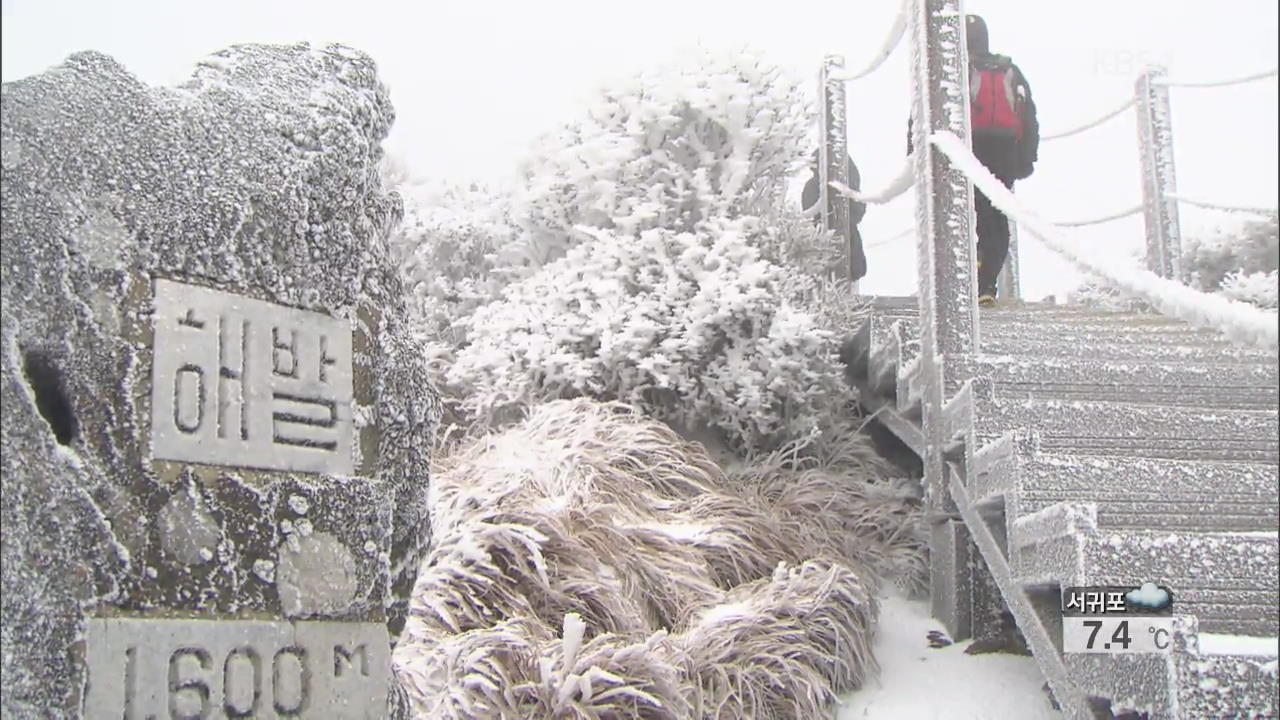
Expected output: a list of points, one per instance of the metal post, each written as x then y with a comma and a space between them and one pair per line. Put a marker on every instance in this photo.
1159, 179
833, 160
1008, 285
947, 292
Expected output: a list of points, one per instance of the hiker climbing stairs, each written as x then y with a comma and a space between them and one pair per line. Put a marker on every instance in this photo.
1106, 449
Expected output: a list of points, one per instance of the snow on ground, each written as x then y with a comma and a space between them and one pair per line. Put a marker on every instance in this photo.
918, 682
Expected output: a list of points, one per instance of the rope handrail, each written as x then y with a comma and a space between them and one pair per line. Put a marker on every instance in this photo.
904, 181
1089, 125
896, 31
896, 236
1217, 83
1102, 219
1220, 206
1239, 321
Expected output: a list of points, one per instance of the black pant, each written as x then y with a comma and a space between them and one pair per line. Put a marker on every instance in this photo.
993, 240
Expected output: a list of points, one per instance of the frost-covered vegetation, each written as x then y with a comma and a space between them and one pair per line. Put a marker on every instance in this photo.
646, 256
588, 562
1238, 261
644, 289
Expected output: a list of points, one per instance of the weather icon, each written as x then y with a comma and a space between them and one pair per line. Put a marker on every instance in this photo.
1150, 596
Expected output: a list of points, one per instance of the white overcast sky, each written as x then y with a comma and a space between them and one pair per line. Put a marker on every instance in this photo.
473, 83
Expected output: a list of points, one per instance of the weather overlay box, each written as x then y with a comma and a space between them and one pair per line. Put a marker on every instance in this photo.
1117, 619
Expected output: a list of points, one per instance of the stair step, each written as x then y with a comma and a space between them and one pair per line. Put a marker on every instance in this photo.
1085, 329
1228, 581
1226, 685
1153, 493
1104, 428
1157, 349
1013, 371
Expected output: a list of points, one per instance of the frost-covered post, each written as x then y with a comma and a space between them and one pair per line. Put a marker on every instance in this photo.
947, 291
1159, 180
944, 208
1008, 286
833, 149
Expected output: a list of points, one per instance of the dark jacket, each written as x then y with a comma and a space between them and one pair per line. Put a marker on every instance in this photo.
812, 192
809, 197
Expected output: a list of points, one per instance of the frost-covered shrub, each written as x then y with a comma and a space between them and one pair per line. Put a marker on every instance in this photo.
1240, 262
789, 238
451, 249
1097, 294
671, 150
1258, 288
646, 279
694, 327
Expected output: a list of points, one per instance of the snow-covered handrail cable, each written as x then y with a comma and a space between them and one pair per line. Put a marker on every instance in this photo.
1089, 125
1220, 206
896, 236
1216, 83
896, 31
1239, 321
904, 181
1099, 220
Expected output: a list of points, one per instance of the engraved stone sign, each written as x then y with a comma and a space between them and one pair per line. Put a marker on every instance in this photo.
214, 407
171, 668
238, 381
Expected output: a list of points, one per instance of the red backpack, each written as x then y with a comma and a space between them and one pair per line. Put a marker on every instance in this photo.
996, 98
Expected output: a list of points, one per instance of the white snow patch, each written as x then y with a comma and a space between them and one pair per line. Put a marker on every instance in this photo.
299, 504
725, 611
916, 681
688, 532
1215, 644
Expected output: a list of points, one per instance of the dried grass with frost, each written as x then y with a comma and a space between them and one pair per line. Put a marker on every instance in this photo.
590, 563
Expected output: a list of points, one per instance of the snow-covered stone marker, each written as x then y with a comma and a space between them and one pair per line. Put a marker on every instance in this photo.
215, 429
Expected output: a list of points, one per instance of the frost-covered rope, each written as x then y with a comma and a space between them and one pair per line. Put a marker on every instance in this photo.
1089, 125
1216, 83
896, 236
1099, 220
1219, 206
1239, 321
903, 182
891, 41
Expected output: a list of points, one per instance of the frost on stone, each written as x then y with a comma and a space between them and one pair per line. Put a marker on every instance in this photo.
299, 504
259, 178
265, 570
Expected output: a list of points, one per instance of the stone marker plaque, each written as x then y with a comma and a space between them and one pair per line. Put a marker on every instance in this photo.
168, 668
214, 404
238, 381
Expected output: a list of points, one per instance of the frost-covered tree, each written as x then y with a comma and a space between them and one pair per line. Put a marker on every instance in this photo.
1240, 263
453, 252
674, 149
646, 280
